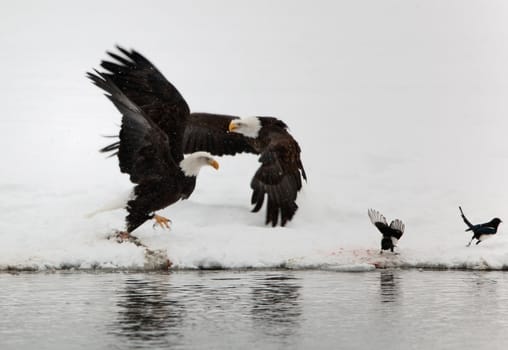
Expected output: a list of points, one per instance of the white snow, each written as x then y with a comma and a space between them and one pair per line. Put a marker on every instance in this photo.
397, 106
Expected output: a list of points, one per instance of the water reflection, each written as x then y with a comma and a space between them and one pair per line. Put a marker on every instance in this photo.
256, 310
484, 288
276, 305
389, 286
147, 312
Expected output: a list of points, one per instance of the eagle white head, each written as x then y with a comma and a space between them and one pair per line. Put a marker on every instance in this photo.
248, 126
192, 163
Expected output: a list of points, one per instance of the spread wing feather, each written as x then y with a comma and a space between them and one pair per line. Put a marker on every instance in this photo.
145, 86
279, 178
398, 228
143, 153
143, 150
395, 229
377, 218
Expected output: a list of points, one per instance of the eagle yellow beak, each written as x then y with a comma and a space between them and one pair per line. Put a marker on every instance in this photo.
214, 163
232, 126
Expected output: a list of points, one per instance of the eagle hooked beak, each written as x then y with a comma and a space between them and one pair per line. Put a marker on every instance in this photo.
232, 126
214, 164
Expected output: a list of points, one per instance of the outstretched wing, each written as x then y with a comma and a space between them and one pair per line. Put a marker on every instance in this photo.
143, 153
143, 150
209, 132
379, 221
279, 178
146, 87
397, 227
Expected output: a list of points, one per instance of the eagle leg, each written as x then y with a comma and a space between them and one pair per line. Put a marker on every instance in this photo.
161, 221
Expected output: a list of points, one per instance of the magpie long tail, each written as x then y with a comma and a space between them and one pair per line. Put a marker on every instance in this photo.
469, 224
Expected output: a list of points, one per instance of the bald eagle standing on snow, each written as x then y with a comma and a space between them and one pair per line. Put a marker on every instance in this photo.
279, 178
154, 117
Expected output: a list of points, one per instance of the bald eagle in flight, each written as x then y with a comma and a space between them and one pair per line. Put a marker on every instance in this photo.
279, 177
150, 150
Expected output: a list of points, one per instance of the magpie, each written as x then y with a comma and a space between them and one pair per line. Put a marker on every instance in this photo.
481, 231
391, 234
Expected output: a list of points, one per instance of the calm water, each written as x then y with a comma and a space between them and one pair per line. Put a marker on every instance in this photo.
388, 309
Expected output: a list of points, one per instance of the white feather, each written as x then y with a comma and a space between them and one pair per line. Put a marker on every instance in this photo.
398, 225
118, 203
484, 237
248, 126
376, 217
192, 163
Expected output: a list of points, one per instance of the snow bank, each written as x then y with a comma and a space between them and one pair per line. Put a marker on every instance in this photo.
48, 230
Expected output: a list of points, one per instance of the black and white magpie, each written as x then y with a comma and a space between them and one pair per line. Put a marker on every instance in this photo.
391, 233
481, 231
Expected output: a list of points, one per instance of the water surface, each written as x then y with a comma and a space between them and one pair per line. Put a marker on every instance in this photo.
276, 309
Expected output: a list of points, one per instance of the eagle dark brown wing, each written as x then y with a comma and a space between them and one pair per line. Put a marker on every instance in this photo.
145, 86
209, 132
144, 154
279, 178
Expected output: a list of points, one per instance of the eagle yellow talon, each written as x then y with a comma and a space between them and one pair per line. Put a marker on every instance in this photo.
161, 221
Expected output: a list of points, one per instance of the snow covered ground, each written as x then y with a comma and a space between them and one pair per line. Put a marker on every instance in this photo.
398, 106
